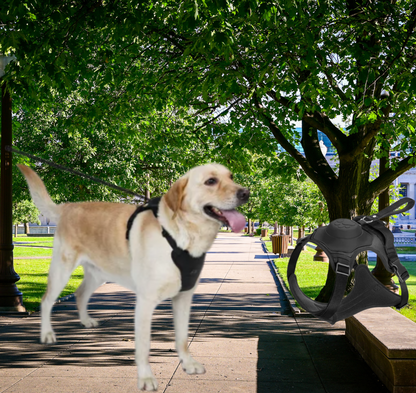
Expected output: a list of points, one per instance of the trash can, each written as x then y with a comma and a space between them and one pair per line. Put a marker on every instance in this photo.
280, 244
264, 232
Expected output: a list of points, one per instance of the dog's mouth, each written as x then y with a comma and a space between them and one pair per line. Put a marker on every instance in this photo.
231, 218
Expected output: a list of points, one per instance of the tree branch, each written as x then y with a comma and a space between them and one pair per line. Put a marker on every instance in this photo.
382, 182
313, 153
282, 140
316, 120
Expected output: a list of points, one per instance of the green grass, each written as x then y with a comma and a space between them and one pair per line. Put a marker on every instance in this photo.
312, 275
20, 251
34, 277
406, 250
34, 272
25, 238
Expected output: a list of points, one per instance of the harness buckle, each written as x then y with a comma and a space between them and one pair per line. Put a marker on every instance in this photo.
345, 272
402, 277
366, 219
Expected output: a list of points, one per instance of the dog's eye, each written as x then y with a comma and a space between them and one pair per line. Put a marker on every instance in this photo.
231, 176
212, 181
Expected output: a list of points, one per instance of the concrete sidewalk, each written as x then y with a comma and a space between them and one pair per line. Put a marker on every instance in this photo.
240, 330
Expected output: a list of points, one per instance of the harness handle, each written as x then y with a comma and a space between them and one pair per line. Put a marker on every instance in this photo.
394, 208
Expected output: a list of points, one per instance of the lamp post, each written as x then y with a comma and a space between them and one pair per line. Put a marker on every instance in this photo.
11, 300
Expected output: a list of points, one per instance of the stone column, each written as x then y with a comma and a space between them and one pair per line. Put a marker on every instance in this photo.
411, 194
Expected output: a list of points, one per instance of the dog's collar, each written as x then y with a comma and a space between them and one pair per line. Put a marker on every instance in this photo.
189, 266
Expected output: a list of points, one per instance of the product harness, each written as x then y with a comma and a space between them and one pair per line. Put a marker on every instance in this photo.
189, 266
342, 240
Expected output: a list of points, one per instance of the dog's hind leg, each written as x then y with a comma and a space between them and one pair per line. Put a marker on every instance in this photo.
92, 280
59, 275
181, 311
142, 328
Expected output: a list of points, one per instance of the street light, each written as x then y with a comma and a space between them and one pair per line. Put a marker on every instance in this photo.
11, 300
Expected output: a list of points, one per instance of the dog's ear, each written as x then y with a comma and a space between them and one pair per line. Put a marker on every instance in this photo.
174, 197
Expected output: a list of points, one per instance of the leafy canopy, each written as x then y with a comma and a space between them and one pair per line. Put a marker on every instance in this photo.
260, 64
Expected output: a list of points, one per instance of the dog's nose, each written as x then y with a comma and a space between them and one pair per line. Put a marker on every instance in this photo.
243, 194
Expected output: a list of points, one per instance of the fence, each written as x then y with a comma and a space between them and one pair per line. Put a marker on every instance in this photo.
36, 230
404, 241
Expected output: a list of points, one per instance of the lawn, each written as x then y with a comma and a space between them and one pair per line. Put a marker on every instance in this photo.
311, 277
28, 252
34, 277
34, 272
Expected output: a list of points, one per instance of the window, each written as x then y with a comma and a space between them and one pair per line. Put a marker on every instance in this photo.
403, 190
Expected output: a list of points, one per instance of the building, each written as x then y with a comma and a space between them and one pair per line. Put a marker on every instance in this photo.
407, 183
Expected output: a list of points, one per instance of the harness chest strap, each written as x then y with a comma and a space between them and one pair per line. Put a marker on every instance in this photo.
342, 274
189, 266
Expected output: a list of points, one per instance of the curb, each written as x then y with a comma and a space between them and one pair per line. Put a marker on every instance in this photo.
295, 309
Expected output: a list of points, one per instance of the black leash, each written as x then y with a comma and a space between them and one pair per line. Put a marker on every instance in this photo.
74, 172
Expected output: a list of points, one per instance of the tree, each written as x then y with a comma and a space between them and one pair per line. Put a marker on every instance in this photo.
25, 212
293, 202
263, 64
138, 160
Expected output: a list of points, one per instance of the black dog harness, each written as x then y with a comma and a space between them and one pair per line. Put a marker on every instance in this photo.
342, 240
189, 266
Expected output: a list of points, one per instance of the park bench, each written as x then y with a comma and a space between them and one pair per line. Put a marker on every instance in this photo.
387, 342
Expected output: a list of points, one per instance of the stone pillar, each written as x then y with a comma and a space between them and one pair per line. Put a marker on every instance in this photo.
411, 194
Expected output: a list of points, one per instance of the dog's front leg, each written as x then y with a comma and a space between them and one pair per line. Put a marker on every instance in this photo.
181, 312
142, 328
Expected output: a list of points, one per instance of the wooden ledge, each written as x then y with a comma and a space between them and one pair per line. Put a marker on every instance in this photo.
387, 342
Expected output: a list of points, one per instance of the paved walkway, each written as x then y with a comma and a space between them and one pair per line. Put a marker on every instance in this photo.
240, 329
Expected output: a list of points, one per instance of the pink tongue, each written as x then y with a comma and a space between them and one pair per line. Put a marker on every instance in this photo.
236, 220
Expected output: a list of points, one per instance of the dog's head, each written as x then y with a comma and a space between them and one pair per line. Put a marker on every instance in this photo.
209, 190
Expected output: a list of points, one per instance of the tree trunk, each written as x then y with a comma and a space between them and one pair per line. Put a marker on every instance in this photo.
343, 202
27, 229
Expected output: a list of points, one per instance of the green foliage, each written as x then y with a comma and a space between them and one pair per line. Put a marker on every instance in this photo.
250, 69
24, 212
287, 199
294, 203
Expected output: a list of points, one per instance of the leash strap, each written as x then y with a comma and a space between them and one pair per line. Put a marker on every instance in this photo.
74, 172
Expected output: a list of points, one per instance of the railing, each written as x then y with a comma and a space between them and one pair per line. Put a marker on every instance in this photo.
404, 240
36, 230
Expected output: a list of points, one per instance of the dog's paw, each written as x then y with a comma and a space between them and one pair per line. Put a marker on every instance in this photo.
90, 322
48, 338
148, 384
193, 367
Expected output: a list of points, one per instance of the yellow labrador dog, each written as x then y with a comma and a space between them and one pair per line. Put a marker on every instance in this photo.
93, 234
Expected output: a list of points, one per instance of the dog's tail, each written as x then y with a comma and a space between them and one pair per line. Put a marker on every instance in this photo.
39, 194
